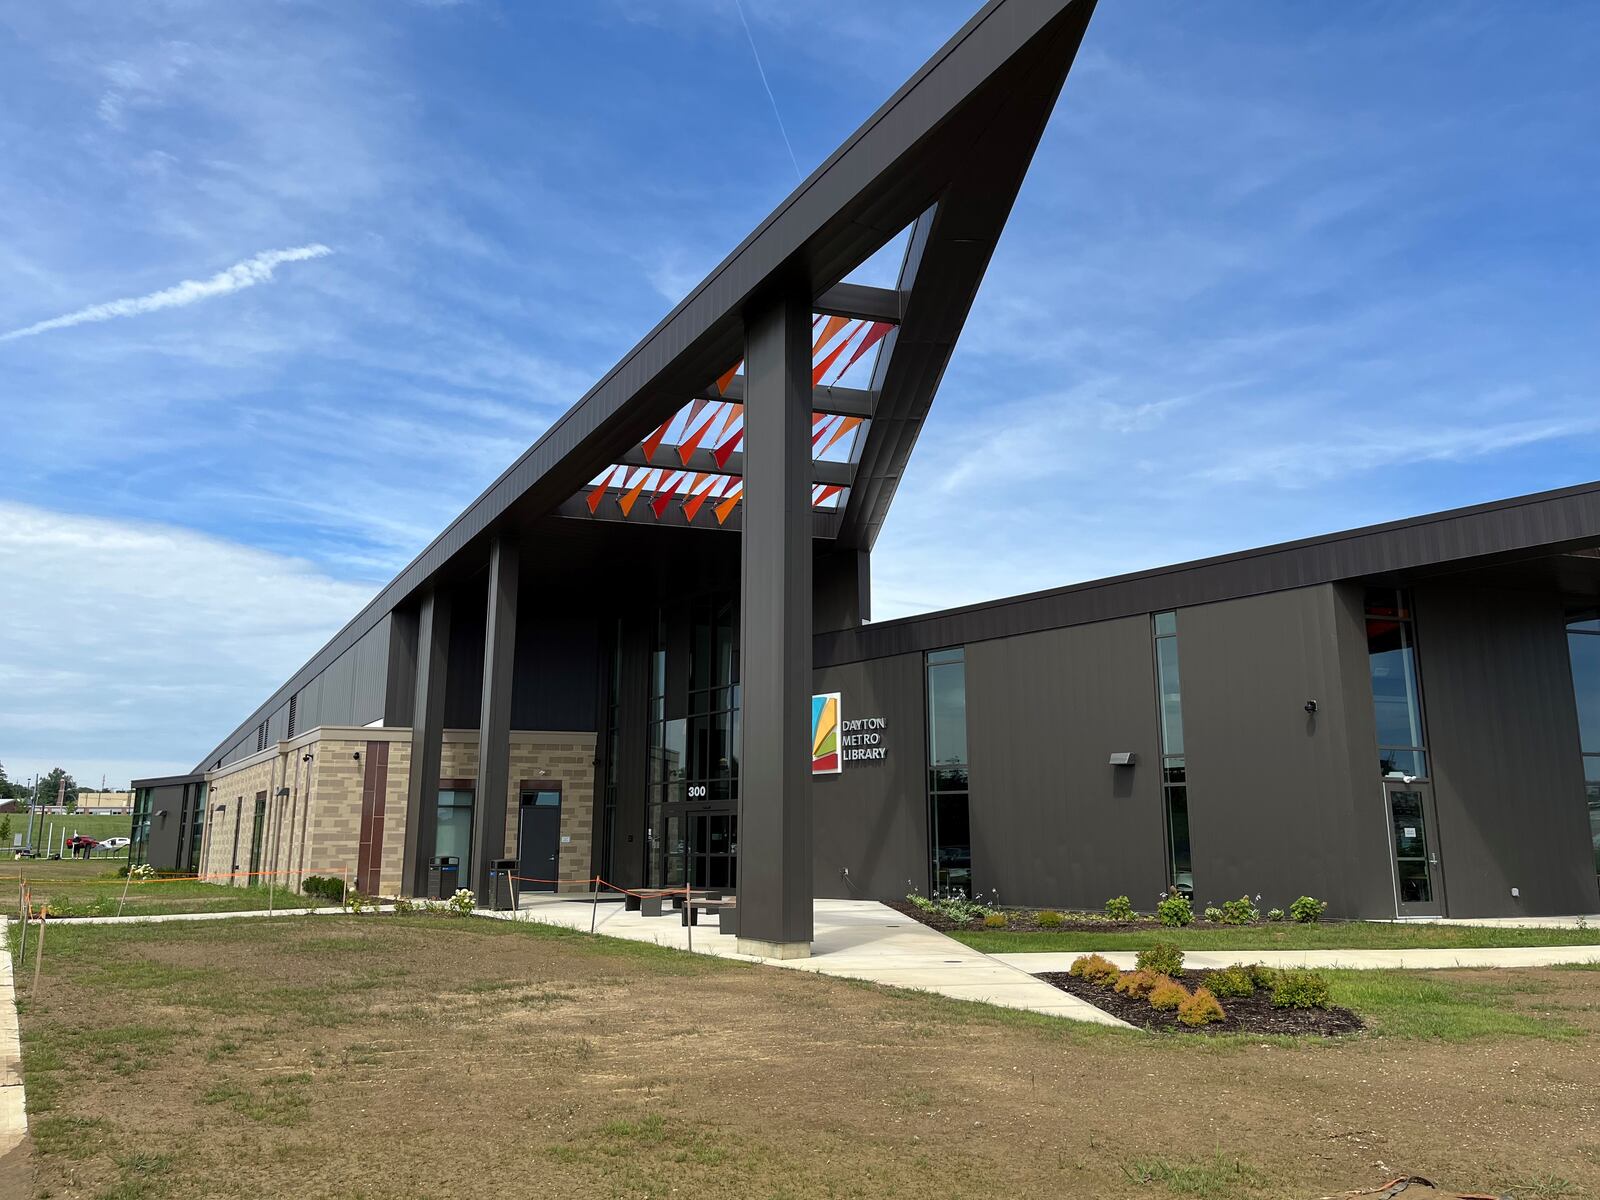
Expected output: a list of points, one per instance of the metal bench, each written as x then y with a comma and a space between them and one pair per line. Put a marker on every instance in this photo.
647, 901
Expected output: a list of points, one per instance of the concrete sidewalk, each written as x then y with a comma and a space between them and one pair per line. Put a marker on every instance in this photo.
1352, 960
855, 939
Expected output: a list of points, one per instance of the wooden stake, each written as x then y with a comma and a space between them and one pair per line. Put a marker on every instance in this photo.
38, 954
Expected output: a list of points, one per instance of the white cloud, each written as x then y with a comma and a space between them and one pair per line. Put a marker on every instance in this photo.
129, 648
241, 275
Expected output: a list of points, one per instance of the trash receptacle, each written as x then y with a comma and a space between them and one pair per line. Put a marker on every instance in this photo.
444, 877
502, 887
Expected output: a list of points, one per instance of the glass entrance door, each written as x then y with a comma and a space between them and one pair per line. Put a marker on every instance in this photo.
713, 850
1414, 835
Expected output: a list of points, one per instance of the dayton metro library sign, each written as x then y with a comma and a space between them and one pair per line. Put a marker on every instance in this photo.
836, 741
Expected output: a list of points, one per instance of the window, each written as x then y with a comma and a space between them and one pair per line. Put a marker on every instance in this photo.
1396, 690
139, 846
613, 756
197, 825
452, 837
257, 828
949, 824
1174, 768
1583, 645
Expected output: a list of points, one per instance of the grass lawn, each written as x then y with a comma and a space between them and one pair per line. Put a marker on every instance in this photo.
1327, 935
382, 1056
92, 888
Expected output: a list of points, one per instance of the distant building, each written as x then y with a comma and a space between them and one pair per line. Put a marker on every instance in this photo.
105, 802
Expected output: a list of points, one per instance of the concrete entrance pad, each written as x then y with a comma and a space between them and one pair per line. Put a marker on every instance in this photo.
854, 939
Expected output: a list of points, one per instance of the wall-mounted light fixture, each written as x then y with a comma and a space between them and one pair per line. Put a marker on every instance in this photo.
283, 793
356, 756
306, 757
1123, 758
1311, 706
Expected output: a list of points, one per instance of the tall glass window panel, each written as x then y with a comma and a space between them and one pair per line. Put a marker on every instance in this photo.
453, 830
1396, 687
1174, 773
1171, 695
1583, 645
947, 708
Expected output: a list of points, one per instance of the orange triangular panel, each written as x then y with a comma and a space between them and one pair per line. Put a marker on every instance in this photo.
845, 426
653, 443
691, 506
727, 377
725, 451
724, 509
874, 335
829, 327
629, 498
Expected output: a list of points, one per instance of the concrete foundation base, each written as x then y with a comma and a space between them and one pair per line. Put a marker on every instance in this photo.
760, 948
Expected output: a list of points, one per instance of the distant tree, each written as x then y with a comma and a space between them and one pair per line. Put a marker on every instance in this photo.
5, 830
49, 788
8, 790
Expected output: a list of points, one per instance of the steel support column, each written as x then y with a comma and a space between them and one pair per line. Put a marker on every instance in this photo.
427, 738
775, 632
494, 716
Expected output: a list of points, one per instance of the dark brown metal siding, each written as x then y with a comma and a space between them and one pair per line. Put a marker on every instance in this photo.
1503, 731
872, 817
1053, 823
1282, 802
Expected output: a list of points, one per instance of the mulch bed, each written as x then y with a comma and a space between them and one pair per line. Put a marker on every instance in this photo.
1023, 921
1246, 1014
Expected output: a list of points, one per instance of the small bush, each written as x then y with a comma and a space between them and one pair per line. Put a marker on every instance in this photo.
323, 885
1300, 989
1167, 995
463, 902
1175, 910
1137, 984
359, 903
1200, 1009
996, 920
1240, 912
1119, 908
920, 902
1264, 977
1049, 918
1308, 910
1095, 969
1276, 914
404, 907
1162, 959
1232, 981
1213, 914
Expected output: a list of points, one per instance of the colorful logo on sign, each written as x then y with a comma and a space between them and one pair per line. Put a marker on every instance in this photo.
825, 734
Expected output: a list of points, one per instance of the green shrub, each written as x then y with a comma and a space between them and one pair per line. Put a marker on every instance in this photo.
1240, 912
1094, 969
358, 902
1175, 910
920, 902
323, 885
1276, 914
1213, 914
996, 920
404, 907
1049, 918
1300, 989
1308, 910
1232, 981
1167, 995
1119, 908
1137, 984
1264, 977
1163, 958
1200, 1009
462, 902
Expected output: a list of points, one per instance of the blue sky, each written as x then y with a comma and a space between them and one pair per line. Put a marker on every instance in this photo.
1277, 270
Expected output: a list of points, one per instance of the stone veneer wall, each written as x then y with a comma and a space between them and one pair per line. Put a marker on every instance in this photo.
316, 830
566, 759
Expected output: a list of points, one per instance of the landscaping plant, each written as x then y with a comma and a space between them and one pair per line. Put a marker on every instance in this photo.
1300, 989
1200, 1009
1162, 959
1137, 984
995, 920
1175, 910
463, 902
1232, 981
1094, 969
1275, 914
1213, 914
1168, 994
1119, 908
1308, 909
1239, 912
1049, 918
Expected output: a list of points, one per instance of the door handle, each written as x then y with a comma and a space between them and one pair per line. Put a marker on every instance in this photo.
1433, 860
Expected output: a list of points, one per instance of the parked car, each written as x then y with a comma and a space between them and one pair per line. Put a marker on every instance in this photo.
115, 843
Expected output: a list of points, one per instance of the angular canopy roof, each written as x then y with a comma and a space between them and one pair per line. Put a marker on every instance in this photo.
656, 439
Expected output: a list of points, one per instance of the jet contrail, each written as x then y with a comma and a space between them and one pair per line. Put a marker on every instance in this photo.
237, 277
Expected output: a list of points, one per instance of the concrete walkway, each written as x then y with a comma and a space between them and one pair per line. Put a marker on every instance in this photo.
1351, 960
13, 1109
854, 939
